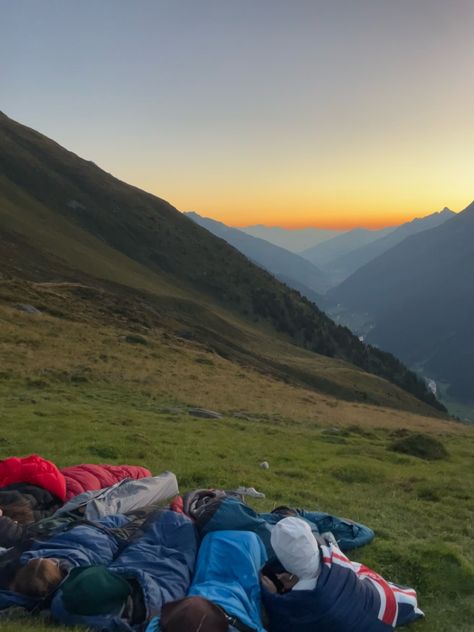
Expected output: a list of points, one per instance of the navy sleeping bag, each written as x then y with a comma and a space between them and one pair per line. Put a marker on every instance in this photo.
348, 597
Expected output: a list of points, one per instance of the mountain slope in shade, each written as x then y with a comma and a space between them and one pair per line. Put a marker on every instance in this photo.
323, 254
294, 240
63, 218
345, 265
285, 265
420, 298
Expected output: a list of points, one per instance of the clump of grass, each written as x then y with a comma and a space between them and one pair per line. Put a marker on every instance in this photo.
354, 473
420, 445
104, 451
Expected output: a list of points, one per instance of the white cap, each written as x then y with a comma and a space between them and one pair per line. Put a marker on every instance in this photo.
298, 551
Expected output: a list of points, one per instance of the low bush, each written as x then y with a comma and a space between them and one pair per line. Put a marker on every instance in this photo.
420, 445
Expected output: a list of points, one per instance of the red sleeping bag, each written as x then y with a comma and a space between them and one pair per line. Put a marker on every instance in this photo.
67, 482
84, 478
35, 470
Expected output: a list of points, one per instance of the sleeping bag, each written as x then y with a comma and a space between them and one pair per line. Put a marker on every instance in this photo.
335, 594
90, 477
81, 545
157, 564
226, 513
35, 470
69, 481
227, 573
124, 497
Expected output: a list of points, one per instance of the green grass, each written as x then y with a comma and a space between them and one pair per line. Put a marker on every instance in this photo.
422, 511
74, 388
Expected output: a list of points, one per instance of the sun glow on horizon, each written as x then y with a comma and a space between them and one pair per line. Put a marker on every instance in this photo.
321, 119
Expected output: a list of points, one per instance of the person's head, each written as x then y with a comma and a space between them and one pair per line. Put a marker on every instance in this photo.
297, 549
18, 510
38, 578
94, 590
193, 614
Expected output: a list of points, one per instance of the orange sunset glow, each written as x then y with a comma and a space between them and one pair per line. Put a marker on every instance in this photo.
325, 114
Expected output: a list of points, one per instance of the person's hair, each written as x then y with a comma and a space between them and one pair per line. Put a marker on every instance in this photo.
37, 578
193, 614
18, 510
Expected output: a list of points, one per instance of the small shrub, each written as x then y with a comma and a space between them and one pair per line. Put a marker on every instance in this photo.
429, 494
363, 432
420, 445
37, 383
78, 378
204, 361
400, 433
340, 432
136, 339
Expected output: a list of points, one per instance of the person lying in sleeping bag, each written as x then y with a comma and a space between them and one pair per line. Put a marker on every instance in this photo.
318, 589
153, 569
96, 578
32, 488
218, 512
44, 566
23, 505
67, 482
225, 593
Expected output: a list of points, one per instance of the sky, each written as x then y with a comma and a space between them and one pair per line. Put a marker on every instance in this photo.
295, 113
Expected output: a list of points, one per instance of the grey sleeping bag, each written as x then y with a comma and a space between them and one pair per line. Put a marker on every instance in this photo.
124, 497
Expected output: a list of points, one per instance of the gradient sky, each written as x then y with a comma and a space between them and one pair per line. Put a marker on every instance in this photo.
334, 113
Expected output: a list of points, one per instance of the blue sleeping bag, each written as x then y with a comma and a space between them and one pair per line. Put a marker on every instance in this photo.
161, 559
82, 545
227, 573
232, 514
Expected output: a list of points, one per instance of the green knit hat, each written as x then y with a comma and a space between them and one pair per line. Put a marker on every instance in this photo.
94, 590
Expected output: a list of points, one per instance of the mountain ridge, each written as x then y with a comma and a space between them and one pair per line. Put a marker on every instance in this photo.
349, 241
293, 239
348, 263
56, 202
285, 265
419, 295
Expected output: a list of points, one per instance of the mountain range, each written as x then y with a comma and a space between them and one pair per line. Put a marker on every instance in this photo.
418, 301
342, 256
294, 240
64, 219
323, 254
285, 265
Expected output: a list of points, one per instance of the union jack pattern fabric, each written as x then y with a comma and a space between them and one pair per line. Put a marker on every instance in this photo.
398, 605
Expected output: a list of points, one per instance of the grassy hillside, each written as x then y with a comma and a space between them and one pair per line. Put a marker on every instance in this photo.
97, 378
64, 218
140, 315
